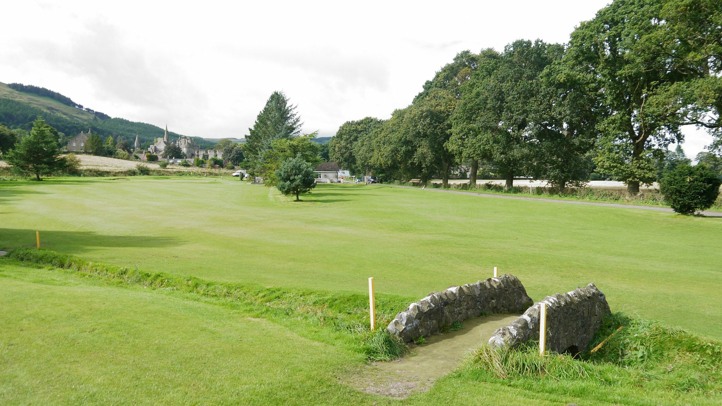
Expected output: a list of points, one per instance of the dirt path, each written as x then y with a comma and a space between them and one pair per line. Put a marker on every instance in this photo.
438, 356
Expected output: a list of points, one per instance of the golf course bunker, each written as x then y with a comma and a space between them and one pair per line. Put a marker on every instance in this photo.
438, 356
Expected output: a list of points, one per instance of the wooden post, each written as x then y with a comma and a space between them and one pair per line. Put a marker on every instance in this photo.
542, 328
37, 239
372, 304
495, 274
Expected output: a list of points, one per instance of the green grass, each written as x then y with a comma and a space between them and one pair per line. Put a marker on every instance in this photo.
652, 264
77, 342
216, 290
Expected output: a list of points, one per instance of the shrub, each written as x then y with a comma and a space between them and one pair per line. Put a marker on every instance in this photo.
142, 169
71, 165
163, 164
215, 162
184, 163
121, 154
151, 157
688, 189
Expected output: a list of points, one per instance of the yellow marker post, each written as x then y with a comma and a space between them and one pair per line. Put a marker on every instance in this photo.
495, 274
542, 328
37, 239
372, 305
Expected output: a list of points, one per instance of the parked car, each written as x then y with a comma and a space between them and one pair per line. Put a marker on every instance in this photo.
238, 173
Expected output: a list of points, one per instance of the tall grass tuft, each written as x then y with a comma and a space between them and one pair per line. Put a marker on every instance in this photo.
382, 346
526, 362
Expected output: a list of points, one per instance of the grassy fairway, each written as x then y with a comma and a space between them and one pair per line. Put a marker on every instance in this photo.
652, 264
71, 338
67, 341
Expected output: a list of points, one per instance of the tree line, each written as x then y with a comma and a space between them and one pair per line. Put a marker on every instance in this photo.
610, 101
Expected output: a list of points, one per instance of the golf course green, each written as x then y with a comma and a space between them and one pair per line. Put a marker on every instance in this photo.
72, 338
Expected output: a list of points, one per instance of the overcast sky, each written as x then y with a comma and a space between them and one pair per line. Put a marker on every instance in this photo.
206, 68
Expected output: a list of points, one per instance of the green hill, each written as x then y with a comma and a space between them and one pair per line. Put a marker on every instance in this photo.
20, 105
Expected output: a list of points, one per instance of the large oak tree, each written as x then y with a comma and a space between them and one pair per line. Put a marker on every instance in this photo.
655, 66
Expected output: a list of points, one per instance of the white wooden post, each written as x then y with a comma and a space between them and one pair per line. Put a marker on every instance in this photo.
542, 328
495, 274
372, 304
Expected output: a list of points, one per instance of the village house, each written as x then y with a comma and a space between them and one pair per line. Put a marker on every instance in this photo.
77, 143
330, 172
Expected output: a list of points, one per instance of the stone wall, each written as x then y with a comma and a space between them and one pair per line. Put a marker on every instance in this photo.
439, 311
572, 320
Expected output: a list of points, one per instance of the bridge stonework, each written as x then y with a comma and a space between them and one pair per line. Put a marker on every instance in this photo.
573, 318
438, 311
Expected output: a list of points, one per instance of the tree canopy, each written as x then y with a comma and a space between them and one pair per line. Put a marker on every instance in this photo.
37, 153
611, 101
277, 120
7, 139
295, 176
655, 66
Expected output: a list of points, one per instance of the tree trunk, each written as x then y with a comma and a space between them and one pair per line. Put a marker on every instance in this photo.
633, 185
297, 199
473, 172
445, 177
509, 181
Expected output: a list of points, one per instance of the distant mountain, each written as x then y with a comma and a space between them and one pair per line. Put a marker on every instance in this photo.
21, 104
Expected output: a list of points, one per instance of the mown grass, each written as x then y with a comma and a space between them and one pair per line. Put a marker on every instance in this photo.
653, 264
194, 264
72, 341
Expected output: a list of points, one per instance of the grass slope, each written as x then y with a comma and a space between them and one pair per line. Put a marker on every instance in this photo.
652, 264
45, 104
72, 341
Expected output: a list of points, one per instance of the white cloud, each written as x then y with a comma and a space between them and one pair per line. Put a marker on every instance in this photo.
206, 68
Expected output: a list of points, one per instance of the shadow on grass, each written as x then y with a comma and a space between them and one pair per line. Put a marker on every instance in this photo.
13, 193
77, 242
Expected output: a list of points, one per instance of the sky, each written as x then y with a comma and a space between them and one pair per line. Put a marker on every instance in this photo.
206, 68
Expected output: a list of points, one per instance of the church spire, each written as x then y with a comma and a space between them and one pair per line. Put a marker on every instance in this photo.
165, 136
136, 144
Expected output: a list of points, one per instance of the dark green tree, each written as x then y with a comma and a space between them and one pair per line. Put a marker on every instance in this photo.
94, 145
38, 153
465, 140
7, 139
277, 120
710, 160
295, 176
655, 65
235, 155
689, 189
499, 115
343, 146
429, 129
284, 149
391, 149
173, 151
109, 148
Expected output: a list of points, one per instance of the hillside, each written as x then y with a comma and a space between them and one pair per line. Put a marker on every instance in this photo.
18, 109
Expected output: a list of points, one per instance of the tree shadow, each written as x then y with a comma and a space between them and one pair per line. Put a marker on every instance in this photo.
78, 242
12, 193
